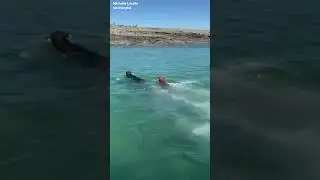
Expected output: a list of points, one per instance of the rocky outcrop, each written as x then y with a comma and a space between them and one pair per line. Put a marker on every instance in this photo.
133, 35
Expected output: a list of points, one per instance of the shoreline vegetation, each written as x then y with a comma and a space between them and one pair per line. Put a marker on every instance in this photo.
124, 35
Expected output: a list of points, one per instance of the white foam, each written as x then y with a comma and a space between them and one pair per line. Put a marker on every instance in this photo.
182, 84
195, 97
203, 106
203, 130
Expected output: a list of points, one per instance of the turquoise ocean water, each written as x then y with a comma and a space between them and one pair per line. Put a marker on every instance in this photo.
160, 133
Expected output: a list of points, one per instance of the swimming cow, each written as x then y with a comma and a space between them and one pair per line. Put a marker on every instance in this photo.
61, 42
134, 78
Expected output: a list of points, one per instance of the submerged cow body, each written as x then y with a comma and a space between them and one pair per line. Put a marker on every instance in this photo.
61, 42
134, 78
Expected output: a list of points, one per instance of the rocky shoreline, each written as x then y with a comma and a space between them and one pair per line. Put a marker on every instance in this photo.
121, 35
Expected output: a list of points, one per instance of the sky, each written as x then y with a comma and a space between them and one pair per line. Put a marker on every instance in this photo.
190, 14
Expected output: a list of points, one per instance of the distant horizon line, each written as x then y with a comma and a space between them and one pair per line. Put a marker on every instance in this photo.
160, 27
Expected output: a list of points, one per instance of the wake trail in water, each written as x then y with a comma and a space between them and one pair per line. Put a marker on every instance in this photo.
195, 97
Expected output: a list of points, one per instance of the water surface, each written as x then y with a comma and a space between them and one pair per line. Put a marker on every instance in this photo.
266, 90
160, 133
50, 112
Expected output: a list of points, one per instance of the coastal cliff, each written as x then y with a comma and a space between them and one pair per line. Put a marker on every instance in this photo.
134, 35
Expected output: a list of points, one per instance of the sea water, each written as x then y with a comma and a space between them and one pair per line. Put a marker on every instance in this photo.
160, 133
266, 90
